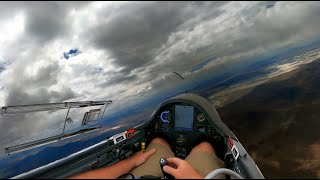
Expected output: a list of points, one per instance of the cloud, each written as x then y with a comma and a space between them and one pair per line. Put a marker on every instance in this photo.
131, 37
201, 65
40, 95
8, 8
32, 81
48, 20
134, 36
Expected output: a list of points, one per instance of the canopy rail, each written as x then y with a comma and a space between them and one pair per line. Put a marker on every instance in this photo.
6, 110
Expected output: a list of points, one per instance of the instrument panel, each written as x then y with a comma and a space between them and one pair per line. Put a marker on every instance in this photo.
183, 126
180, 118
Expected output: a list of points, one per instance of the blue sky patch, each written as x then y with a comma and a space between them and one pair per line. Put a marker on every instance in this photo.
71, 53
2, 67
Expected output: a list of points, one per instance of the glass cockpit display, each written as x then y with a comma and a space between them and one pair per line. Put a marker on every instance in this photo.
184, 116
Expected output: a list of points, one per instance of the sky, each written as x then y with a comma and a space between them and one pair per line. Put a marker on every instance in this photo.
129, 50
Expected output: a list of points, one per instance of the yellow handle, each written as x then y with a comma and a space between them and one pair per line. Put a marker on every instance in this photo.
143, 146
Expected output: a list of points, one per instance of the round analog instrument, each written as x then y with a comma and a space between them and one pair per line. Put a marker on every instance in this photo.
165, 116
201, 117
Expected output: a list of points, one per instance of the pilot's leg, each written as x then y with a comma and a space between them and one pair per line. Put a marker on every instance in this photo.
203, 158
152, 166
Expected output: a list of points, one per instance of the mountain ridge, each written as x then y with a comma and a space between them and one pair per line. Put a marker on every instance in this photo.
277, 123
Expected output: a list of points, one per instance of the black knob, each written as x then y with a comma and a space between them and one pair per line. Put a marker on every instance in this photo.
163, 162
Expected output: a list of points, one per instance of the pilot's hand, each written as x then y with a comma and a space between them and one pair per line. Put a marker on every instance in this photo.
181, 169
140, 157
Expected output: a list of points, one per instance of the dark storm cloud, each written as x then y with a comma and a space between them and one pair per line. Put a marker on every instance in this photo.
7, 8
44, 20
113, 78
45, 76
272, 28
41, 95
134, 34
26, 88
270, 4
246, 33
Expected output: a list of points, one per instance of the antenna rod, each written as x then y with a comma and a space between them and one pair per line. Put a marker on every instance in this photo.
178, 75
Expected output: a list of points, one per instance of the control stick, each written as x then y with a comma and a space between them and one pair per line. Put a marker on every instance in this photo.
163, 162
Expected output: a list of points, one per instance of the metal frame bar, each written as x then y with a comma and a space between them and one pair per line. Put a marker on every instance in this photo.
65, 121
6, 110
104, 110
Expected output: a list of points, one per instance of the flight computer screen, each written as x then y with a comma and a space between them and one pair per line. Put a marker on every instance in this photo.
184, 118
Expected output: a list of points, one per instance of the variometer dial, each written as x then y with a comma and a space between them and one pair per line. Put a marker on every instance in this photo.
165, 116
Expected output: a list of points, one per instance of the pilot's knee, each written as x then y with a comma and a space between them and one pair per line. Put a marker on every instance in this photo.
161, 141
204, 146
